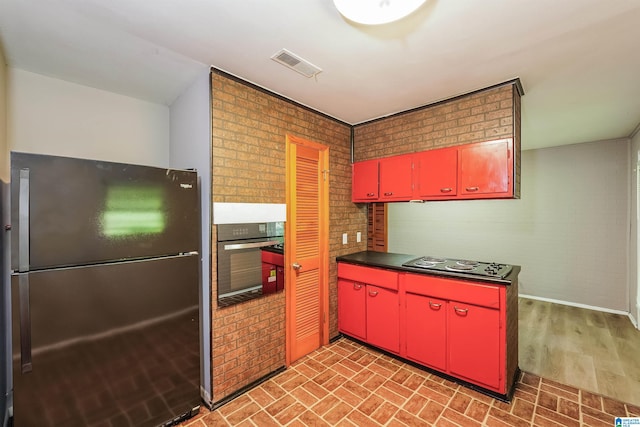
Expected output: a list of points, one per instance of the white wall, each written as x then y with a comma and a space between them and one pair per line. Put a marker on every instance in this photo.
569, 231
190, 147
51, 116
634, 199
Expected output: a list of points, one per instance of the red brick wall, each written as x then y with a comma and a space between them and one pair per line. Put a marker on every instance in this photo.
481, 116
249, 128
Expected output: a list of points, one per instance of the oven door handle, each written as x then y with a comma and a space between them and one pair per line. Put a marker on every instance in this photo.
250, 245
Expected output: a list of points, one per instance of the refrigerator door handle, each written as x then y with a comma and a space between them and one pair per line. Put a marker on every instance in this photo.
23, 226
25, 324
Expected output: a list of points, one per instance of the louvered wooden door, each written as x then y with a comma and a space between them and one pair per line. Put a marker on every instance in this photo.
307, 247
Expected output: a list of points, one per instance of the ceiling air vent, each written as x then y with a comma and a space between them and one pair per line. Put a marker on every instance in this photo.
296, 63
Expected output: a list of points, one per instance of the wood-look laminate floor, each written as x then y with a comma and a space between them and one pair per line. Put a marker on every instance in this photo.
591, 350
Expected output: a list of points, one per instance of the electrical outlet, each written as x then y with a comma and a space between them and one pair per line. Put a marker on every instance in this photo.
345, 239
358, 237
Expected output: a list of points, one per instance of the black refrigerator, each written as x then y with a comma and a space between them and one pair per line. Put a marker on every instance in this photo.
104, 293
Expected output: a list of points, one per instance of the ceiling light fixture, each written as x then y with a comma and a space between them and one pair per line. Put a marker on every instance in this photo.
375, 12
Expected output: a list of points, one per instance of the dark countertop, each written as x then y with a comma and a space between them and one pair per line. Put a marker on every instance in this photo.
394, 261
275, 249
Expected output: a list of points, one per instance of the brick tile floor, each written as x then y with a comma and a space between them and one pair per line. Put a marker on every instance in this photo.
347, 384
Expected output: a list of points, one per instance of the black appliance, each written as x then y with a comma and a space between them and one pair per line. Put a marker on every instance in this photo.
239, 252
104, 293
474, 268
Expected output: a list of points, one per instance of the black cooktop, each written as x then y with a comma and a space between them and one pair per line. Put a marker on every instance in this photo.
460, 266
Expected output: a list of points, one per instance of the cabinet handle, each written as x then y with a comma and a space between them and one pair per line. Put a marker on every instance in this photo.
434, 305
446, 190
357, 287
472, 188
373, 293
388, 193
460, 310
370, 194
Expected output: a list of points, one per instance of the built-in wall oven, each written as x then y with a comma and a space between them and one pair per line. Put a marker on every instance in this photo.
240, 258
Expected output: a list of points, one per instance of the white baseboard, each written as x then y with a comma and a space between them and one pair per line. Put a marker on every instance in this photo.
633, 320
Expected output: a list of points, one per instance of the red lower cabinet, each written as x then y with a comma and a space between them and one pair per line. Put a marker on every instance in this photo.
474, 343
352, 308
383, 318
465, 329
426, 332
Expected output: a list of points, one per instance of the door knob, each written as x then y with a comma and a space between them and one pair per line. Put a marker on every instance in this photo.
296, 266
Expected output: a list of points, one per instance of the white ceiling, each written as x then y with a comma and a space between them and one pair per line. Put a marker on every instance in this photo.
578, 60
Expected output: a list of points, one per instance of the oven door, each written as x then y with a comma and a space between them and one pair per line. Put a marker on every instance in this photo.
240, 266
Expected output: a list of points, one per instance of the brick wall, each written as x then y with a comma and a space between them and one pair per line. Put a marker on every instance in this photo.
481, 116
249, 128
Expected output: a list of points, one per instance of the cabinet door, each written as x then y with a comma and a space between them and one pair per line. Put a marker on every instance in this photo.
486, 168
352, 309
364, 181
426, 333
474, 343
383, 318
396, 178
437, 174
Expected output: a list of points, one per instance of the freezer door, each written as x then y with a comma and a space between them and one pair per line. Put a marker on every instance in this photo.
116, 344
77, 212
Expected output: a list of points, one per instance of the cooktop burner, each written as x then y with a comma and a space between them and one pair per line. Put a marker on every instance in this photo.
461, 266
434, 259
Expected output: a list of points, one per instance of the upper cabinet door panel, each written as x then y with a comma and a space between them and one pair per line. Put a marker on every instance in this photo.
396, 178
486, 169
364, 181
437, 174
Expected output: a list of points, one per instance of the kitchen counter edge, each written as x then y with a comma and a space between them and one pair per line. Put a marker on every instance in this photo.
394, 261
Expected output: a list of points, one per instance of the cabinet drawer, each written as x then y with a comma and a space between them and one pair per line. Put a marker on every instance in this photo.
451, 289
372, 276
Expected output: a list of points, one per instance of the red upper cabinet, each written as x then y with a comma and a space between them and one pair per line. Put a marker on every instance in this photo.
364, 181
486, 169
436, 174
481, 170
396, 178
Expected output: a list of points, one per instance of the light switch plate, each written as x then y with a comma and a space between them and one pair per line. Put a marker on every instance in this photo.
358, 237
345, 239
